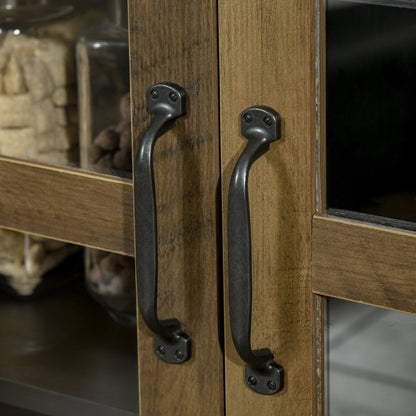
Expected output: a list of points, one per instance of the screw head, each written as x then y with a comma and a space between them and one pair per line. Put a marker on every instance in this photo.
268, 121
154, 94
161, 350
179, 355
252, 381
173, 96
271, 385
247, 118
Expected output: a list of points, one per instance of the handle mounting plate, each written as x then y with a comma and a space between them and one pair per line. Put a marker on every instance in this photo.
176, 351
267, 381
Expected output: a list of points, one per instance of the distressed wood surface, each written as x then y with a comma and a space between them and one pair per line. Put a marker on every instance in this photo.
176, 41
319, 188
364, 263
267, 57
67, 204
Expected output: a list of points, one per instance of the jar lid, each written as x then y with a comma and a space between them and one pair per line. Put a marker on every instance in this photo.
20, 12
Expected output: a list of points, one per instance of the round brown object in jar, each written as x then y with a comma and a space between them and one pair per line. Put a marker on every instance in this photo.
95, 153
125, 139
128, 282
122, 160
108, 139
94, 277
125, 107
97, 255
123, 126
106, 161
110, 265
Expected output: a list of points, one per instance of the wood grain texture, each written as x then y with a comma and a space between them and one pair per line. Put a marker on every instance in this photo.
364, 263
320, 303
176, 41
67, 204
267, 57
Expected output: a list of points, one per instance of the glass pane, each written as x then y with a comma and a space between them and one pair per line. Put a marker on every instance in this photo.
68, 336
38, 79
64, 83
104, 98
371, 61
371, 356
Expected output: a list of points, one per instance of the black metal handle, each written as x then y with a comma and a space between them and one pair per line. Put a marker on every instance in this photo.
167, 102
261, 126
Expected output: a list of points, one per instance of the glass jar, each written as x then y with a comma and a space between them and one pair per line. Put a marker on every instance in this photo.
110, 281
38, 95
39, 121
105, 145
103, 73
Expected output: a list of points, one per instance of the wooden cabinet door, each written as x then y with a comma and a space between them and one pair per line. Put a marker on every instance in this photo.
177, 42
366, 255
267, 58
228, 55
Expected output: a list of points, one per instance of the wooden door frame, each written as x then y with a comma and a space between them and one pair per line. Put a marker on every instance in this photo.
67, 204
177, 42
353, 260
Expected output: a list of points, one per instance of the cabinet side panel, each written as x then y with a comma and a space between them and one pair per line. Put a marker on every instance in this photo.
176, 41
267, 57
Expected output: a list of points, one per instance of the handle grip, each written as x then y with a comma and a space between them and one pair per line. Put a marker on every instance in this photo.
261, 126
167, 102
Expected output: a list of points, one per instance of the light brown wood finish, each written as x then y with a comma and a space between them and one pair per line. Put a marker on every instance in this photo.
267, 57
319, 188
67, 204
176, 41
364, 263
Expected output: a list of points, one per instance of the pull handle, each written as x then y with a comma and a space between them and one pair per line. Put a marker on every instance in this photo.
167, 102
261, 126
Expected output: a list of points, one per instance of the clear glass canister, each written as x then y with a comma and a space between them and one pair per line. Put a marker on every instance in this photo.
39, 121
105, 144
103, 73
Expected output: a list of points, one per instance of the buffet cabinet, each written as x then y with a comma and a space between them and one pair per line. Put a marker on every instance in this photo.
228, 55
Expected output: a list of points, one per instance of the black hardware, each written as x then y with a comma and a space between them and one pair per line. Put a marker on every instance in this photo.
261, 126
167, 102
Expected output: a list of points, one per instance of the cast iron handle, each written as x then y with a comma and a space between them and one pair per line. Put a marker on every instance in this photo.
167, 102
261, 126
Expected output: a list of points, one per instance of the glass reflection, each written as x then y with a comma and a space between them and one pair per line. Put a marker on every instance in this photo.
371, 61
372, 369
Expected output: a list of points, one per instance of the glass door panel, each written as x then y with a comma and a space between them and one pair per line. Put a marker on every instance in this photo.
38, 78
102, 56
67, 345
64, 84
371, 60
372, 370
